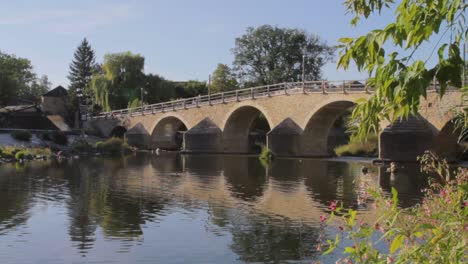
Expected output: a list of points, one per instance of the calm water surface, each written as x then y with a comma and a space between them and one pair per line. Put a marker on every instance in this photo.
178, 209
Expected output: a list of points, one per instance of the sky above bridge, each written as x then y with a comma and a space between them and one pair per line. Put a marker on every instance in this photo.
180, 39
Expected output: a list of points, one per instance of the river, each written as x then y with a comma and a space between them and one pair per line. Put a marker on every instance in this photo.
145, 208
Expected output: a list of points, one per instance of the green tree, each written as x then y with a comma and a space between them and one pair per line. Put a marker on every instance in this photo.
223, 79
399, 79
120, 82
82, 69
37, 88
158, 89
267, 55
190, 88
18, 82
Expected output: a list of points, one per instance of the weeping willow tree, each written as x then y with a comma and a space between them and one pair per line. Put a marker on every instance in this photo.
120, 82
100, 86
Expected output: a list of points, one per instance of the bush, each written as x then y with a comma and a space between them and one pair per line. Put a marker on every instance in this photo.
45, 135
60, 138
112, 145
82, 146
21, 155
266, 155
22, 135
368, 148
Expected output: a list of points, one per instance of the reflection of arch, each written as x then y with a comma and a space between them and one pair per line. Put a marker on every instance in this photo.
245, 177
238, 127
316, 132
166, 134
118, 131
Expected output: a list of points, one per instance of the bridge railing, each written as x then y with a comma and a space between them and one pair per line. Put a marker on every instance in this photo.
242, 95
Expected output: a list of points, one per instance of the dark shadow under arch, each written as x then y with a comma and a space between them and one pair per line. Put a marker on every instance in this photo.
315, 139
168, 133
118, 131
245, 130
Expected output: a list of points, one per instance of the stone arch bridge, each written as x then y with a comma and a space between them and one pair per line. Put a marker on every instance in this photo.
300, 117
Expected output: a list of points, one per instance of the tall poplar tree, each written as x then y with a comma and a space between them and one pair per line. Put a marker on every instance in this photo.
82, 69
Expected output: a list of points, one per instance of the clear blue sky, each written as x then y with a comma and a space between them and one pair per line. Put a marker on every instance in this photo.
180, 39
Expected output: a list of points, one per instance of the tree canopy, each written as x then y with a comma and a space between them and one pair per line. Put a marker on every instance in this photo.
267, 55
120, 82
82, 68
223, 79
18, 82
399, 79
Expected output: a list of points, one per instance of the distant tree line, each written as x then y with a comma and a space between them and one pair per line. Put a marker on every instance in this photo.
263, 55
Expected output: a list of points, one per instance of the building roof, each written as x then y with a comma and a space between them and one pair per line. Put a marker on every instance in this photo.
58, 91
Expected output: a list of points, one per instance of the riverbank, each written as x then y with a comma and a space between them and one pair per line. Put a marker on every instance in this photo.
41, 147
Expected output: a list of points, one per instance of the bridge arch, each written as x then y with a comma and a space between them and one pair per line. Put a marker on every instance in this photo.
118, 131
244, 128
167, 133
315, 138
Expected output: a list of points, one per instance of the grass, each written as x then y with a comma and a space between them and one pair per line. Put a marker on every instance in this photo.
82, 146
367, 148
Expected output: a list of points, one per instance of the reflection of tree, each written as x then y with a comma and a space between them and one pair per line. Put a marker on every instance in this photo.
246, 177
15, 198
20, 184
101, 195
87, 198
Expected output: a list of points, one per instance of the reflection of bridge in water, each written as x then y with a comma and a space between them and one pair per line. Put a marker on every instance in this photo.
299, 118
125, 199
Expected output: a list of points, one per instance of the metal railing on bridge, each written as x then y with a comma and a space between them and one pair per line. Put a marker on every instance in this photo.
324, 87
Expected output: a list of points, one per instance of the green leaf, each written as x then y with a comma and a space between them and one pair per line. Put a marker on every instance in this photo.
345, 40
349, 250
394, 196
396, 243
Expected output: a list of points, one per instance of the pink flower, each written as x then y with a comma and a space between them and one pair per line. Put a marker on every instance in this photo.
333, 206
323, 218
362, 223
389, 260
319, 247
379, 228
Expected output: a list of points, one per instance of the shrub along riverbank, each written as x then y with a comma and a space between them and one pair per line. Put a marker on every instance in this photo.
366, 148
79, 146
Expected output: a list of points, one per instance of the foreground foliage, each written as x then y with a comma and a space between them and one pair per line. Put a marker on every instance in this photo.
435, 231
399, 78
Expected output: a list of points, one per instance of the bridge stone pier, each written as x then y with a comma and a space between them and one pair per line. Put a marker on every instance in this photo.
299, 115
